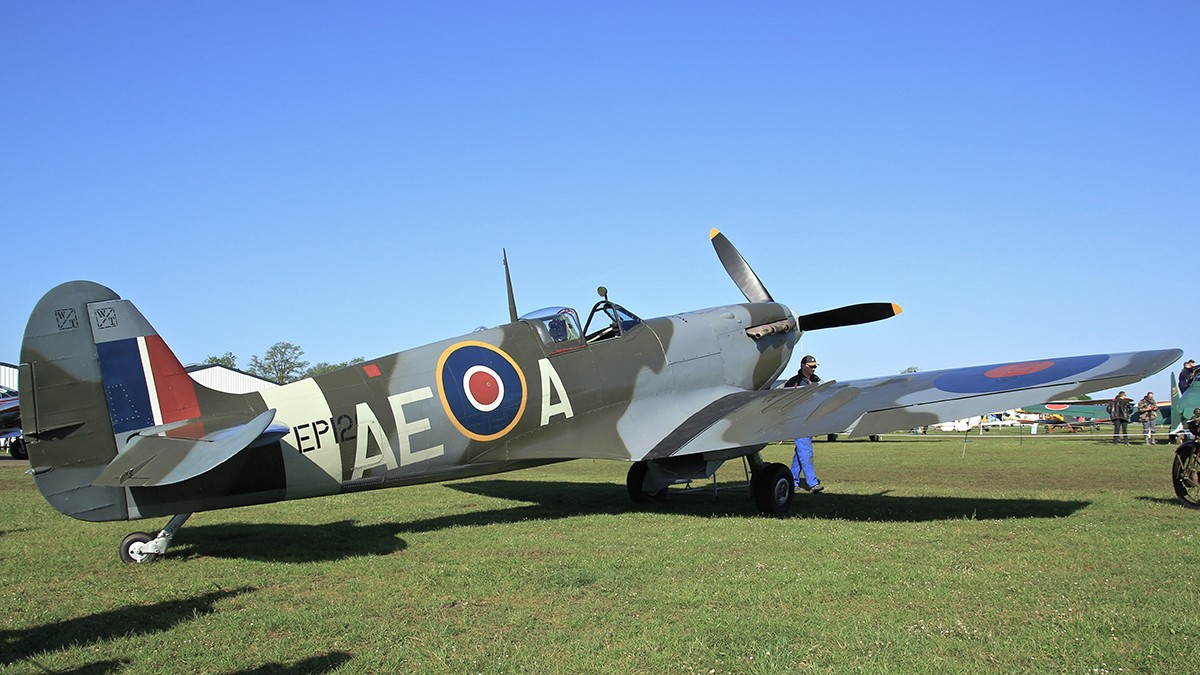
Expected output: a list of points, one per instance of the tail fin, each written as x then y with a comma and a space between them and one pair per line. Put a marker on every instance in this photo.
93, 369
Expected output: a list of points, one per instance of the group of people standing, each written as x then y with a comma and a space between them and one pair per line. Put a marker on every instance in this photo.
1121, 411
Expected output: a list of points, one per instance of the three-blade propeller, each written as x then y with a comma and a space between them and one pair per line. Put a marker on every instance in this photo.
752, 287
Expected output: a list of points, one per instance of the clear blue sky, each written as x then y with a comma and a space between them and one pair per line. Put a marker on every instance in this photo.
1022, 177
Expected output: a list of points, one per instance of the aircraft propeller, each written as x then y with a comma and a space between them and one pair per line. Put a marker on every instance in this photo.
737, 267
752, 287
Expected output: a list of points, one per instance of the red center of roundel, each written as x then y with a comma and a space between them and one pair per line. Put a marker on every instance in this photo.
1015, 369
484, 388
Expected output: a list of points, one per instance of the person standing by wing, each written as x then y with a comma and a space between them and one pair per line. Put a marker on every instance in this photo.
1148, 413
1119, 409
803, 472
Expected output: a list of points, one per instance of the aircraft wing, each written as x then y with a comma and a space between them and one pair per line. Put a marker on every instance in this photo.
173, 453
879, 405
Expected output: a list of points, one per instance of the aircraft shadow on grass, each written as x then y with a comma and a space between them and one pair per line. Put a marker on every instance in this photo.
1170, 501
98, 668
324, 663
271, 542
547, 500
16, 645
563, 500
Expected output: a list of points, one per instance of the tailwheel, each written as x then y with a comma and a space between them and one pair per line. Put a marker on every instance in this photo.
1185, 475
635, 482
133, 548
773, 488
143, 547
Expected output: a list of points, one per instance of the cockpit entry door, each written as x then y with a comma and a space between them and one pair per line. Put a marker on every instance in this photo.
608, 320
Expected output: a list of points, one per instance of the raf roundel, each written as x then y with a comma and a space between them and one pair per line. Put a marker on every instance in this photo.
482, 390
989, 379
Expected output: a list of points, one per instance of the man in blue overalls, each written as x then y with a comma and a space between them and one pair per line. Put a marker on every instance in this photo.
803, 473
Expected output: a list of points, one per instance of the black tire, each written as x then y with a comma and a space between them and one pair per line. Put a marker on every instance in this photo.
773, 489
874, 438
832, 438
634, 482
17, 449
1185, 475
128, 556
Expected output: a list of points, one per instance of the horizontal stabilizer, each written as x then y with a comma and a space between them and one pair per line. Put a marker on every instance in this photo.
176, 452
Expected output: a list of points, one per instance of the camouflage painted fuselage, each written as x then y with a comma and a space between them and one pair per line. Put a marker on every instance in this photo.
494, 400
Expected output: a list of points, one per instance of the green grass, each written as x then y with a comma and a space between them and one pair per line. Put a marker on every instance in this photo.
925, 555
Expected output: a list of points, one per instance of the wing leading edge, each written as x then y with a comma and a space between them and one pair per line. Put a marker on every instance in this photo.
879, 405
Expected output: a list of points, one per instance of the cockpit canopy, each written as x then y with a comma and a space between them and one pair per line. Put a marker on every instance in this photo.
555, 324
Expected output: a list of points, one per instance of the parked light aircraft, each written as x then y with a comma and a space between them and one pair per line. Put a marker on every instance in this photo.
1089, 412
116, 429
10, 422
1183, 405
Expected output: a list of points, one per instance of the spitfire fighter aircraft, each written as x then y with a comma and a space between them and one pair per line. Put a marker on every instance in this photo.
118, 431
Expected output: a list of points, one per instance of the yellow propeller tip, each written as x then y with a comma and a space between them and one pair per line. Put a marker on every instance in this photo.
713, 234
896, 308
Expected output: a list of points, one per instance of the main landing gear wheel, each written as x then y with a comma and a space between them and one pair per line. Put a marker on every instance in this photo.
17, 449
635, 481
1185, 475
773, 489
131, 548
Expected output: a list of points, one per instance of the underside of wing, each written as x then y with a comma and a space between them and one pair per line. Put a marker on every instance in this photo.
880, 405
173, 453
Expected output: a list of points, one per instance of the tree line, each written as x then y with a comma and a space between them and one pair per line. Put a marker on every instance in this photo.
281, 363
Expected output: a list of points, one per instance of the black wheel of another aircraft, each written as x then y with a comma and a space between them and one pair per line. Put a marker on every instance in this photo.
1185, 475
128, 556
635, 479
17, 449
773, 489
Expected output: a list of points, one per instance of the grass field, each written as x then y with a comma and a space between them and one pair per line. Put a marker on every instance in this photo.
1007, 553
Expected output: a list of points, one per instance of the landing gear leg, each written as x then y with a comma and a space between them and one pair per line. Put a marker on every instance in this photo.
771, 485
635, 482
140, 547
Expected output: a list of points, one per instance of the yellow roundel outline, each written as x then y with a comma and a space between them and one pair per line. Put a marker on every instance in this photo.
446, 404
